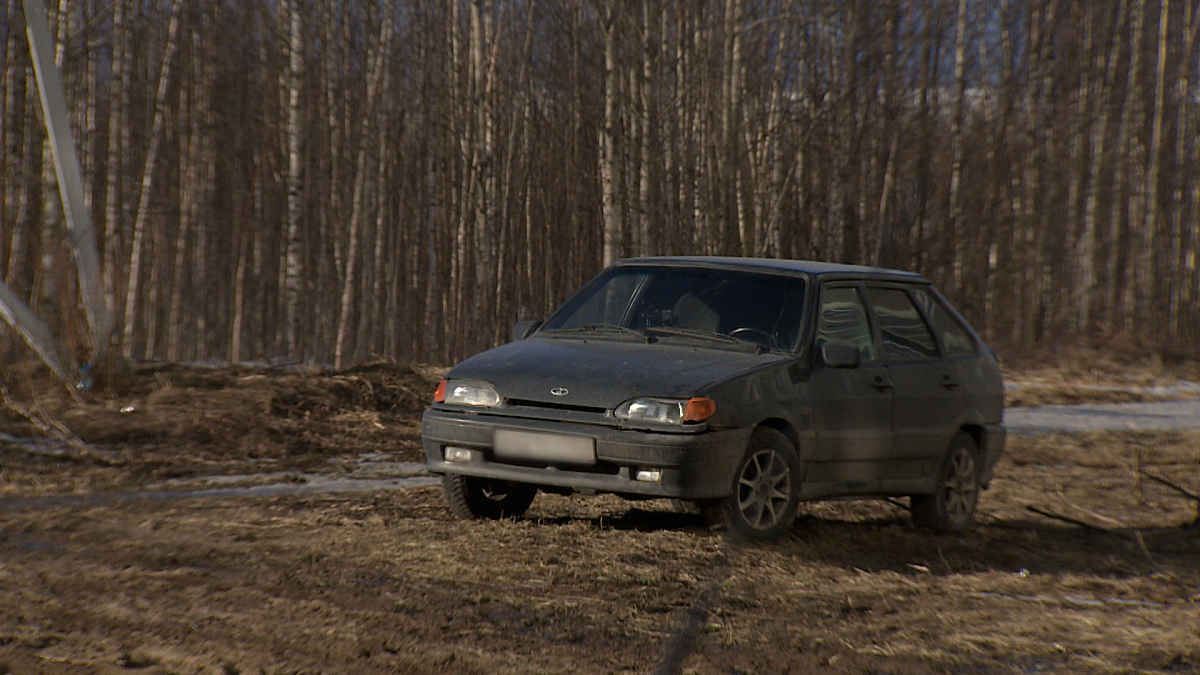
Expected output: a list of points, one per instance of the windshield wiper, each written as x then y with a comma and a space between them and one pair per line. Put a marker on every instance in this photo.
689, 332
703, 335
596, 327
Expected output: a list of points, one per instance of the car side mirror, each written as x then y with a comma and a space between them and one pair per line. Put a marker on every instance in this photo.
524, 329
840, 355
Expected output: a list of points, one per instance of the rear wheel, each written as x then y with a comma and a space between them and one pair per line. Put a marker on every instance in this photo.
951, 509
470, 497
766, 487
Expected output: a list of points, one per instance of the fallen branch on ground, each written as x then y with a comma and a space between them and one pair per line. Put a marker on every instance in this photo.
1183, 491
1068, 519
51, 428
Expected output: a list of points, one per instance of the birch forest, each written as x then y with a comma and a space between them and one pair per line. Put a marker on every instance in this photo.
332, 181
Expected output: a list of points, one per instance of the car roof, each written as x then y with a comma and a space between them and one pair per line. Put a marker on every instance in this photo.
809, 267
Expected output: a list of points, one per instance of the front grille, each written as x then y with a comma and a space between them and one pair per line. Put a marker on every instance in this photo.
556, 406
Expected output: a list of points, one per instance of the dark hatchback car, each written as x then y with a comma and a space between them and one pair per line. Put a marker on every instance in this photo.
745, 385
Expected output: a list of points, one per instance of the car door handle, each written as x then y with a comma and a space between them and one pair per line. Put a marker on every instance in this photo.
949, 381
880, 382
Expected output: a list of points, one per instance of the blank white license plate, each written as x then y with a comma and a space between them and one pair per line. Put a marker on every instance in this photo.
509, 444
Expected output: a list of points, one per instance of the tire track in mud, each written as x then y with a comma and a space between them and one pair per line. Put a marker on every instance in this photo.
685, 640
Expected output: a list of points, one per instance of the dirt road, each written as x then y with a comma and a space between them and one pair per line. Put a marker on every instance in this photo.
1084, 417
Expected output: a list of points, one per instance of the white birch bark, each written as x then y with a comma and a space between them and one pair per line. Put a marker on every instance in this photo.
133, 288
610, 138
1149, 261
1180, 270
960, 237
1086, 249
376, 68
292, 281
1120, 216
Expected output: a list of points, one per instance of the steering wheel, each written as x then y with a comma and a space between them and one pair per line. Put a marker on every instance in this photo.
755, 335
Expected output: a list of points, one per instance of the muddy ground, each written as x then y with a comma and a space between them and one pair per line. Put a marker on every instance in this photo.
1080, 563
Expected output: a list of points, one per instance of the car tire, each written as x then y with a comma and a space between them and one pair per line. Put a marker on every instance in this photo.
471, 498
766, 488
951, 508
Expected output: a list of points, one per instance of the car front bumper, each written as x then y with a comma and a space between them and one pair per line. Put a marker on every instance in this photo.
697, 465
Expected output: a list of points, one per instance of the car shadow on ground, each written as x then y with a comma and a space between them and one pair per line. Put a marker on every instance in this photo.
1016, 546
889, 541
634, 519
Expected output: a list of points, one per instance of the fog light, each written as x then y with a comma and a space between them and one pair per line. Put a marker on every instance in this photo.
453, 454
648, 475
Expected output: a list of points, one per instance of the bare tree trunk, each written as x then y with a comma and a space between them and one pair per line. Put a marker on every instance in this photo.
1085, 251
1185, 113
1076, 173
149, 168
1149, 299
768, 237
645, 245
12, 125
189, 159
118, 143
484, 42
376, 69
1119, 215
379, 299
957, 234
1031, 234
237, 325
201, 222
610, 138
292, 255
836, 242
736, 235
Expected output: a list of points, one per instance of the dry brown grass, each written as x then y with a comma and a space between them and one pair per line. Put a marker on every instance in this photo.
389, 583
1039, 393
1082, 375
1115, 372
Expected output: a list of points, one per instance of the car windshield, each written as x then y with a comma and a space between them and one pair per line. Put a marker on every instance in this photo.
763, 309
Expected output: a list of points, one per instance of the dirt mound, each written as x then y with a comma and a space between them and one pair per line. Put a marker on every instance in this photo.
173, 420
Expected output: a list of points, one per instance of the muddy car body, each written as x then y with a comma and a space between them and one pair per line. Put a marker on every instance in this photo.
744, 385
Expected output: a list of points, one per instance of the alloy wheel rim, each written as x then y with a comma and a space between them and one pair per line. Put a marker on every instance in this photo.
764, 489
960, 487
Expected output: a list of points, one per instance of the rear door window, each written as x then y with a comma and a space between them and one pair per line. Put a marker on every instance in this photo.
904, 336
955, 339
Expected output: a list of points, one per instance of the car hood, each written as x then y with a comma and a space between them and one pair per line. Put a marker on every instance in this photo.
600, 373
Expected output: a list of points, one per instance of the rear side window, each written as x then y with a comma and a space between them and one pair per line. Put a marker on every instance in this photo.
903, 334
843, 319
955, 339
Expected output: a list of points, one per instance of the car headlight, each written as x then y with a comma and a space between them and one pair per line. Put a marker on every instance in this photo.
666, 410
461, 392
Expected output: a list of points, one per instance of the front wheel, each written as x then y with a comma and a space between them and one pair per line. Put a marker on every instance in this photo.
766, 488
470, 497
951, 508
